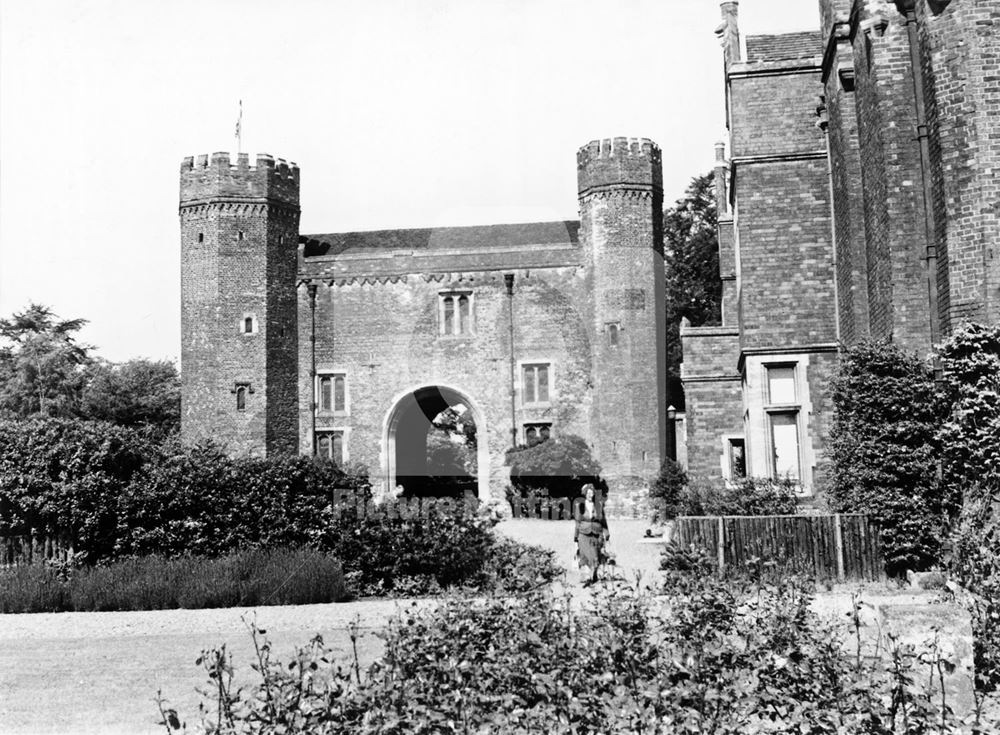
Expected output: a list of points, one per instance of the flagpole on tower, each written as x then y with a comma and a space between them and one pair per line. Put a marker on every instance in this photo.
239, 130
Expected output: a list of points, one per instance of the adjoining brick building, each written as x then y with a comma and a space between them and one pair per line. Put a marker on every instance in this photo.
350, 344
860, 199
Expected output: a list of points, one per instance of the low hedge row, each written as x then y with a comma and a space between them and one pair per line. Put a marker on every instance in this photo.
245, 578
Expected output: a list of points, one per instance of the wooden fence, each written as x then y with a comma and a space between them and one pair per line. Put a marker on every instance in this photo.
21, 550
843, 546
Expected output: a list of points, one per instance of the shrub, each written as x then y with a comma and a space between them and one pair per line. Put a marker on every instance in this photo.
64, 477
884, 451
558, 467
667, 489
513, 567
971, 474
246, 578
747, 497
716, 657
198, 500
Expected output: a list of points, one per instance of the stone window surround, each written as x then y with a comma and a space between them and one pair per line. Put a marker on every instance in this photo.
726, 457
525, 425
774, 409
613, 332
327, 371
456, 293
345, 433
255, 324
519, 388
242, 388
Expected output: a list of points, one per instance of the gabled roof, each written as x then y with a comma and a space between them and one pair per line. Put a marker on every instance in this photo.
476, 238
784, 46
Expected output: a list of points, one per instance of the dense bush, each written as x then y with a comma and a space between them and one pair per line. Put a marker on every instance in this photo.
970, 471
246, 578
715, 658
749, 496
666, 491
885, 448
198, 500
406, 548
557, 467
64, 477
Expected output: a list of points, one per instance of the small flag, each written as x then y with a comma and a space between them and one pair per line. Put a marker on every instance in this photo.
239, 121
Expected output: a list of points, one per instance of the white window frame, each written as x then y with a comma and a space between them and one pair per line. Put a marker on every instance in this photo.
456, 294
793, 408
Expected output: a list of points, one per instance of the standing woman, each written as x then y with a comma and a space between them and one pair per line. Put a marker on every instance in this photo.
591, 535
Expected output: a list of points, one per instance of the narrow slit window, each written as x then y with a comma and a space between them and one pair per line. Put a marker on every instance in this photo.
784, 445
325, 393
333, 392
463, 315
248, 325
449, 315
241, 398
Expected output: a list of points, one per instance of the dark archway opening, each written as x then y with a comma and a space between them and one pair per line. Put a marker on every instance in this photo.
436, 444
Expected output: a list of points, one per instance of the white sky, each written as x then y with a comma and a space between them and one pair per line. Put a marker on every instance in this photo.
400, 113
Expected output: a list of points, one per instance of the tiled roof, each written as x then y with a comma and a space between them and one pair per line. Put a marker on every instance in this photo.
477, 238
783, 47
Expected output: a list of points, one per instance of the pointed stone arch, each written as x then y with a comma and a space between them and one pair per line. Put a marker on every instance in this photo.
428, 400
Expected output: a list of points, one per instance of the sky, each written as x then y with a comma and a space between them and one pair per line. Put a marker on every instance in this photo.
400, 113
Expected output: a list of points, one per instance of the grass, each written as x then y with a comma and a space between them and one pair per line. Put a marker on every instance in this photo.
245, 578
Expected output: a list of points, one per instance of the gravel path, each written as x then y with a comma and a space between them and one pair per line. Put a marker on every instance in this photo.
99, 672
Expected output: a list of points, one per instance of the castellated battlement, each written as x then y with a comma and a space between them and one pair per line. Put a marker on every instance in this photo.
613, 163
216, 177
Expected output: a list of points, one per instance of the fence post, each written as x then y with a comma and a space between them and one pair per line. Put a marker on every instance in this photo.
722, 541
838, 536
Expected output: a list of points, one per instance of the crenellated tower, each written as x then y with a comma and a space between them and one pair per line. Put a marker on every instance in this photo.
239, 249
620, 188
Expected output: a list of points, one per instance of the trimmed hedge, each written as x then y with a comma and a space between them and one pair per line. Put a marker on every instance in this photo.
243, 579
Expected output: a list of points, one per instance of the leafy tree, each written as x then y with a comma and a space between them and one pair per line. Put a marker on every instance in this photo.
41, 364
691, 260
134, 393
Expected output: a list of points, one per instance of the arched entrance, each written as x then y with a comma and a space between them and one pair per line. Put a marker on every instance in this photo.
435, 443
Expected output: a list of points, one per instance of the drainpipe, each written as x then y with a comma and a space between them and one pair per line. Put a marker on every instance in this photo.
312, 370
508, 279
908, 9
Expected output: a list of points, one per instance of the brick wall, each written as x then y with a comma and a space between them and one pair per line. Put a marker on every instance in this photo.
239, 228
960, 53
712, 393
621, 207
786, 276
891, 177
845, 175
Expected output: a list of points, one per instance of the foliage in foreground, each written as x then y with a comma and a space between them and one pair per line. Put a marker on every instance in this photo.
246, 578
716, 658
